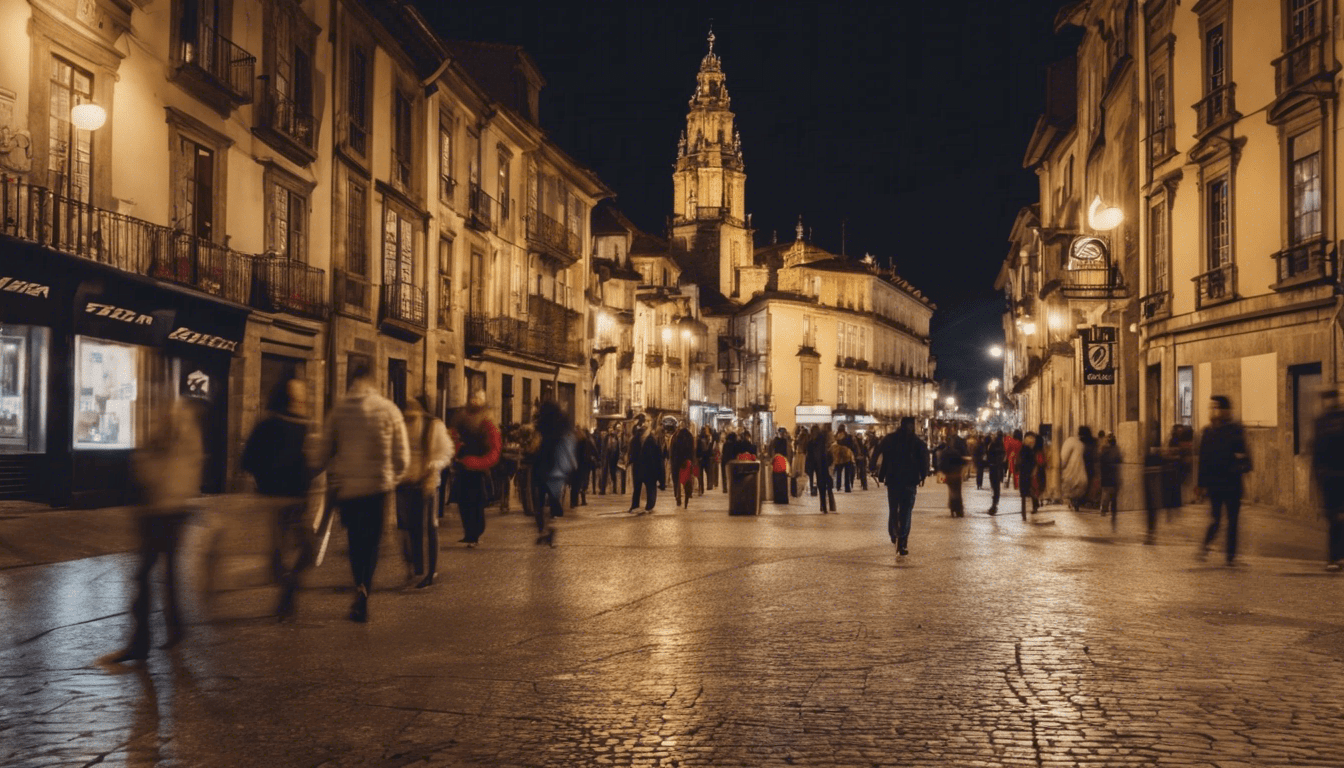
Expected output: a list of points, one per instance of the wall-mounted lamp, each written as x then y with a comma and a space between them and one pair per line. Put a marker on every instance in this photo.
88, 117
1103, 219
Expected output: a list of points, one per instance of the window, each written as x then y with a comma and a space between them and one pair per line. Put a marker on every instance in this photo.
1304, 156
356, 227
840, 390
1215, 61
1306, 380
286, 219
1161, 140
357, 99
446, 283
476, 284
1220, 224
69, 150
193, 188
105, 401
527, 400
1158, 257
505, 400
446, 181
23, 390
401, 139
1185, 395
287, 96
503, 185
398, 247
1304, 21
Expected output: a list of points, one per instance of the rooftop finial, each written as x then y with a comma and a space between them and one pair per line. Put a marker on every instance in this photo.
798, 230
711, 35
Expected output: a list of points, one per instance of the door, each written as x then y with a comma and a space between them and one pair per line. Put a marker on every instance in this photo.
396, 381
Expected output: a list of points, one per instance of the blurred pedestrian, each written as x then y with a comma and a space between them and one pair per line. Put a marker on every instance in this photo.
819, 450
648, 469
166, 472
727, 452
365, 451
478, 446
1327, 464
904, 465
704, 456
1011, 445
1074, 472
979, 448
525, 435
431, 450
276, 458
682, 458
996, 455
555, 463
844, 459
1108, 473
1030, 472
586, 456
505, 473
952, 463
798, 469
1181, 457
1223, 459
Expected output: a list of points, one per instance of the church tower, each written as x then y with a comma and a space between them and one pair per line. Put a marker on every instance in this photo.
709, 221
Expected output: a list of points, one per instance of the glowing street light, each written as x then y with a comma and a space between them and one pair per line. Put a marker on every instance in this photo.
1103, 219
1028, 328
88, 117
950, 402
996, 351
993, 385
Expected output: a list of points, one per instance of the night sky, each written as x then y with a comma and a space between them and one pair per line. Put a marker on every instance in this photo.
905, 126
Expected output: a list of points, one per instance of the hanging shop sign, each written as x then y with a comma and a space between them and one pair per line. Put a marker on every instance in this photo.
1099, 345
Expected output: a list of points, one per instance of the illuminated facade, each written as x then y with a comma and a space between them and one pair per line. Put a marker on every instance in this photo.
277, 188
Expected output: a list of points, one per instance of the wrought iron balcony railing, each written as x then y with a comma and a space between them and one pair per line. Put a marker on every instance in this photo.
221, 62
1099, 282
480, 209
351, 296
288, 118
404, 303
1155, 305
553, 237
38, 215
285, 285
549, 342
1305, 263
1215, 286
1302, 63
1216, 108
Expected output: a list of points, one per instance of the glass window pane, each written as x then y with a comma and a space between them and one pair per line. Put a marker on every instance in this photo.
106, 394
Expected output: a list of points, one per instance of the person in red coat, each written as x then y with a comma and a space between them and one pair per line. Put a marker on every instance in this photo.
478, 444
1011, 445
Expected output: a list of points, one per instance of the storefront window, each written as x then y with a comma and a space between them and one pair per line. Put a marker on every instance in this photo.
107, 392
23, 371
13, 376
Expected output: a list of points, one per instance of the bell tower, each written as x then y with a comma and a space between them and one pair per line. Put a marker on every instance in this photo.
709, 221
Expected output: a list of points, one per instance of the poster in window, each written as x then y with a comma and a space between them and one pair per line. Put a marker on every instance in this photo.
107, 392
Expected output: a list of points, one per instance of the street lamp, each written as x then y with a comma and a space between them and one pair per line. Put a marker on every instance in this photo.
996, 351
993, 385
1028, 328
950, 402
1103, 219
88, 117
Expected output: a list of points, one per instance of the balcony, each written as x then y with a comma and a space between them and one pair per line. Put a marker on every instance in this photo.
1161, 144
1303, 264
1155, 306
351, 296
613, 406
673, 361
287, 125
220, 71
401, 311
1086, 282
286, 285
480, 209
37, 215
544, 341
653, 360
1215, 109
1302, 64
553, 238
1217, 286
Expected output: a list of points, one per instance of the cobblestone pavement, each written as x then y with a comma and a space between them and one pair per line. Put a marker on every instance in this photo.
691, 638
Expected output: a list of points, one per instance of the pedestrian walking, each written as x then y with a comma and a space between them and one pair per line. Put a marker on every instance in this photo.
682, 458
1011, 445
1327, 464
505, 474
727, 452
555, 463
904, 465
996, 456
587, 461
365, 451
1108, 474
979, 456
704, 457
1223, 459
275, 456
953, 466
1075, 474
648, 469
417, 519
478, 444
798, 468
844, 459
525, 435
1030, 472
166, 474
819, 451
809, 461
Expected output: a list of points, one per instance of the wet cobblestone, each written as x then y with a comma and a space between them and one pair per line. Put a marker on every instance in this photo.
695, 639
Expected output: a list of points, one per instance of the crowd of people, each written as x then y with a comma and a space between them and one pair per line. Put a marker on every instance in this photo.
377, 458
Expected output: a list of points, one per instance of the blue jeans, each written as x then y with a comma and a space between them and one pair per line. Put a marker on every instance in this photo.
900, 503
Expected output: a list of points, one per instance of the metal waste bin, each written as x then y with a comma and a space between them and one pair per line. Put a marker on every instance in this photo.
744, 487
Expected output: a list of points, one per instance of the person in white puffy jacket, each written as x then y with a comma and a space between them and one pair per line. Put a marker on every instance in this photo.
365, 452
417, 513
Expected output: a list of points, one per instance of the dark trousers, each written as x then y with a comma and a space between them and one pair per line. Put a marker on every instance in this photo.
416, 516
469, 493
1220, 499
160, 534
995, 483
363, 521
290, 531
546, 502
578, 488
861, 467
900, 506
844, 477
1024, 487
1332, 494
954, 481
1336, 535
824, 490
650, 487
723, 470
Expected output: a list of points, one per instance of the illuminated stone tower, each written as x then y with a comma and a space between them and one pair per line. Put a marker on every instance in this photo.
709, 222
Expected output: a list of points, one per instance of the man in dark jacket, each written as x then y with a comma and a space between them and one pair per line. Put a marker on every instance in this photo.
819, 450
632, 461
1327, 464
683, 458
648, 469
727, 453
904, 465
995, 457
1223, 459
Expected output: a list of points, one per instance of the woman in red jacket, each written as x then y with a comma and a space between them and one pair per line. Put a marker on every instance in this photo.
478, 444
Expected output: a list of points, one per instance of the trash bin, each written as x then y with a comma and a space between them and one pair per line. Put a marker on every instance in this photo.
744, 497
